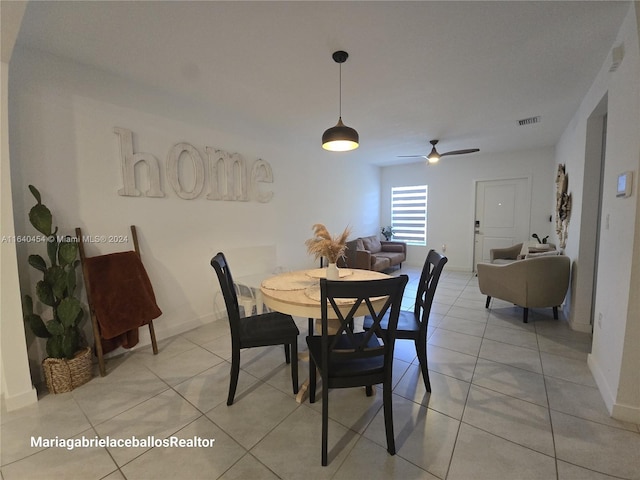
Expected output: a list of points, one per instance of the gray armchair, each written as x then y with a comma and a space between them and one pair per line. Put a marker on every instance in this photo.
536, 282
508, 253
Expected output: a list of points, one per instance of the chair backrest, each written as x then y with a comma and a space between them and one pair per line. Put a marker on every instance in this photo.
545, 280
219, 264
379, 297
431, 271
508, 253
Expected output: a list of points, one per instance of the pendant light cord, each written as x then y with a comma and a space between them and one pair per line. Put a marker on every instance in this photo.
340, 94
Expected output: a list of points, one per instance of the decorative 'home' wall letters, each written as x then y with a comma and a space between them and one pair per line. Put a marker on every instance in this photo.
129, 160
227, 176
173, 170
227, 173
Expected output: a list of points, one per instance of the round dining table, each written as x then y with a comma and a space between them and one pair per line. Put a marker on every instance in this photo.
297, 293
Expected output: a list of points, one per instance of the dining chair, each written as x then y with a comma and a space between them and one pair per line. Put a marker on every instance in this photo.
265, 329
346, 358
413, 325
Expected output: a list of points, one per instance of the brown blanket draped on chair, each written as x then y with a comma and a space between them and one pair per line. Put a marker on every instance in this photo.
120, 298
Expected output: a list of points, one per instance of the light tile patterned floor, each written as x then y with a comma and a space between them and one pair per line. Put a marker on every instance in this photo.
510, 400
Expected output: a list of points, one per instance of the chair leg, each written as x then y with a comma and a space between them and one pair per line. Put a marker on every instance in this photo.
555, 313
486, 305
388, 417
287, 353
369, 390
525, 315
421, 350
312, 380
235, 372
325, 423
294, 365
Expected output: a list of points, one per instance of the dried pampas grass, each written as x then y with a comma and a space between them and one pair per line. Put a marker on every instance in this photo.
323, 245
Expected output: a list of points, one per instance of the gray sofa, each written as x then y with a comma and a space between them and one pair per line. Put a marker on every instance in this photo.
370, 253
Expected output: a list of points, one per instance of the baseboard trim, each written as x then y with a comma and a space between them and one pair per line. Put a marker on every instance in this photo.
624, 413
168, 330
577, 326
24, 399
601, 382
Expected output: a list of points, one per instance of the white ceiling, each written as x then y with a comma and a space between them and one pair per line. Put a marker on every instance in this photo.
463, 72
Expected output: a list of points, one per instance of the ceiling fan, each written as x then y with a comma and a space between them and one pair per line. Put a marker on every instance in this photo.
434, 156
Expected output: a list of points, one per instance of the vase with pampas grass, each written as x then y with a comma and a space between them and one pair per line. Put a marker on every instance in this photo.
332, 248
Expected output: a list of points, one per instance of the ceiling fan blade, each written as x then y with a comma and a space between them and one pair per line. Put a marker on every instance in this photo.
460, 152
411, 156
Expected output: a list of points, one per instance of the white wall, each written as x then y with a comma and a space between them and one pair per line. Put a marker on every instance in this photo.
451, 197
15, 384
615, 356
62, 117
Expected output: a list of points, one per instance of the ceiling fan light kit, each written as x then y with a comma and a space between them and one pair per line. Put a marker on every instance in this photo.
434, 156
340, 138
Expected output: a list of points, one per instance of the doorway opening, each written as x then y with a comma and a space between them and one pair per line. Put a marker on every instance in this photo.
585, 286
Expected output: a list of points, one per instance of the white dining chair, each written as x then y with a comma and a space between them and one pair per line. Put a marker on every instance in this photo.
246, 298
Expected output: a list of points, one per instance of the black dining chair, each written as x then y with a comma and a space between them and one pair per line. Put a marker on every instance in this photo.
272, 328
413, 325
346, 358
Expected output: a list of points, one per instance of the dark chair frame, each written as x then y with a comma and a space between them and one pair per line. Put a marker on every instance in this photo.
266, 329
348, 359
413, 325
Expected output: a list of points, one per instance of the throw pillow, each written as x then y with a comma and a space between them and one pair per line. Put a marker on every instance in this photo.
372, 244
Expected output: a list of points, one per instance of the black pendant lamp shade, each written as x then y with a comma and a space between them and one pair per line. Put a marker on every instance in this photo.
340, 138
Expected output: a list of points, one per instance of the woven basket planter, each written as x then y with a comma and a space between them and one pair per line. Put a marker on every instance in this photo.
64, 375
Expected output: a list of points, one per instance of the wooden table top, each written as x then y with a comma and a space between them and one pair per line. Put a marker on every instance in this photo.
298, 293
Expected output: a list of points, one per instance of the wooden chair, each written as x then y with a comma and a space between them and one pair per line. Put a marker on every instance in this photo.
354, 359
272, 328
413, 325
91, 286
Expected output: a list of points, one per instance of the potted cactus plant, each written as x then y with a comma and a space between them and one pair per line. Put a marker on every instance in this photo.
68, 365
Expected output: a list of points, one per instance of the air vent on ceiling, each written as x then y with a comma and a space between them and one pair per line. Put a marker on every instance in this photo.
617, 54
529, 121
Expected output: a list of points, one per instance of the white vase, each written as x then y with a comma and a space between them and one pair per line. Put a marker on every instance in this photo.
332, 272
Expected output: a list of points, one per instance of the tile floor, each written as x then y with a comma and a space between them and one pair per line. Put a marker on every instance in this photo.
510, 400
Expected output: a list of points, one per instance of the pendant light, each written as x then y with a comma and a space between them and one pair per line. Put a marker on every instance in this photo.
340, 138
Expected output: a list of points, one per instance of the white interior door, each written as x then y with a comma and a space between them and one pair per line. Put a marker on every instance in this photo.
502, 215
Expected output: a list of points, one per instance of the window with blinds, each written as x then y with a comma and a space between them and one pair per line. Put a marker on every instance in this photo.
409, 214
